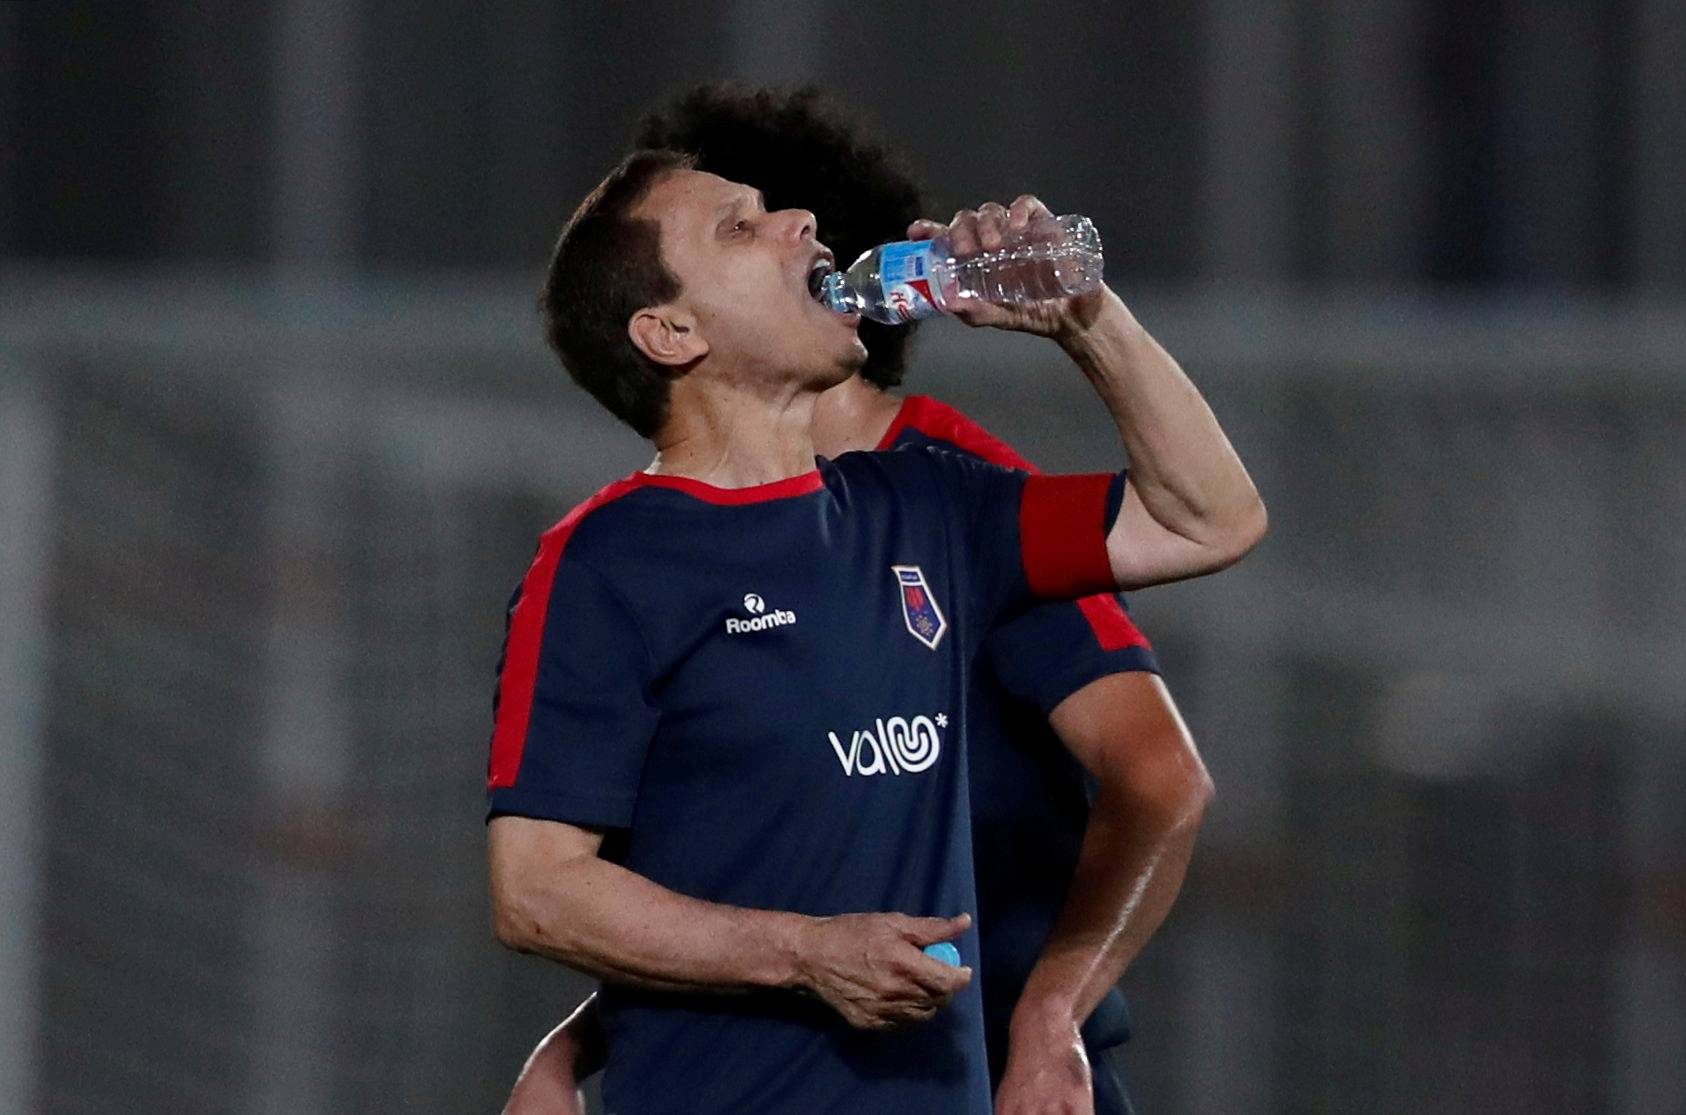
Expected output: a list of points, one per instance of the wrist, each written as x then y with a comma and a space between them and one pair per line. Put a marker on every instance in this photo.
1045, 1016
786, 951
1089, 332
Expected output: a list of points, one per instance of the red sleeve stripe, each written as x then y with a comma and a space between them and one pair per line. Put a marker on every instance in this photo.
1063, 527
526, 640
1113, 628
1112, 625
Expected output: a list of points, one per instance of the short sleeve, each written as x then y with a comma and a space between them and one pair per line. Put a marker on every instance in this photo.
1053, 650
573, 717
1031, 537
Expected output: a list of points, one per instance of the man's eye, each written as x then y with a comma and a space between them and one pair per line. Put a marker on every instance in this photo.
740, 225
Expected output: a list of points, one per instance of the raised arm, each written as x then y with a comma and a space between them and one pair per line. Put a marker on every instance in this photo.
554, 896
1153, 791
1189, 505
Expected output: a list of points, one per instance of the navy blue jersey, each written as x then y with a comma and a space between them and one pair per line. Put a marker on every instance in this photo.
762, 693
1030, 798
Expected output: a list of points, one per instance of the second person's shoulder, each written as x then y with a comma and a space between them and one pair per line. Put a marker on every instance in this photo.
924, 421
919, 472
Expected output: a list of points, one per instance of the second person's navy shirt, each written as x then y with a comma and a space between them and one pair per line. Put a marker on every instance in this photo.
1030, 798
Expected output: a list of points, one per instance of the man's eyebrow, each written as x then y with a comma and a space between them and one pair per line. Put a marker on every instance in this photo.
727, 206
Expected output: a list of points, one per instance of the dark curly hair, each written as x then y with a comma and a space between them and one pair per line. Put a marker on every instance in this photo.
802, 149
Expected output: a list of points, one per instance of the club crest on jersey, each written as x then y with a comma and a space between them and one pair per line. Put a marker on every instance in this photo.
924, 619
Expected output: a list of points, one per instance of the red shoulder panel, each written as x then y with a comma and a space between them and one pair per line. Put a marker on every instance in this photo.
526, 637
944, 423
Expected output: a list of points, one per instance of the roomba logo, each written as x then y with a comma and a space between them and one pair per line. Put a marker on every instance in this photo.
760, 618
893, 746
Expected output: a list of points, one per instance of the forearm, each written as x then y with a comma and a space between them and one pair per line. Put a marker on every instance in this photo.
620, 927
1128, 874
576, 1048
1183, 469
584, 1031
552, 895
547, 1084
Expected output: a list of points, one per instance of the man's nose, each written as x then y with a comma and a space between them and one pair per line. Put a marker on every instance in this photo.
799, 224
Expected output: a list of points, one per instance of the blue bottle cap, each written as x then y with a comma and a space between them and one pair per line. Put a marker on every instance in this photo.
945, 952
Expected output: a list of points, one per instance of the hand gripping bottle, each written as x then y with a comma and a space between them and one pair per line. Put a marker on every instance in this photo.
1052, 257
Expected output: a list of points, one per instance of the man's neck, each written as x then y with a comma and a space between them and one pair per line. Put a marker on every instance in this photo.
852, 416
730, 439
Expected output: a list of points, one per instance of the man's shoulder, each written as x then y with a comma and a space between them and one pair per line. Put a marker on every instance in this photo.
927, 421
602, 527
636, 527
906, 473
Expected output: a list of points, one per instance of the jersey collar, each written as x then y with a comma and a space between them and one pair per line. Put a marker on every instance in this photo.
805, 484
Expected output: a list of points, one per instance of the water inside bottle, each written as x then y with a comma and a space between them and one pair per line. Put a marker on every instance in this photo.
904, 281
1060, 257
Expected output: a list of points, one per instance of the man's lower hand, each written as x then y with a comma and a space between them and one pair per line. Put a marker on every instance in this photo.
1047, 1070
871, 970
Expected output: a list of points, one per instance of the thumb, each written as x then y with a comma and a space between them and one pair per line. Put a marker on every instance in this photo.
928, 931
925, 230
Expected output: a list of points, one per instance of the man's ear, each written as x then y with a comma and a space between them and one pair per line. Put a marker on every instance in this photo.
667, 336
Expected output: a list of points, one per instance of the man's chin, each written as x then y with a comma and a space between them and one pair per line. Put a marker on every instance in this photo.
851, 356
843, 372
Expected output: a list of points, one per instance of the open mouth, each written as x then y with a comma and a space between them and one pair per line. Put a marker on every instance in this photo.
822, 266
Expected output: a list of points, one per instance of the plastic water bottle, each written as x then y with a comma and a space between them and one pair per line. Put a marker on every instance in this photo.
1051, 257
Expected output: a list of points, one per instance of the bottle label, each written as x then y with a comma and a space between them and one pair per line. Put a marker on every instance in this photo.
904, 268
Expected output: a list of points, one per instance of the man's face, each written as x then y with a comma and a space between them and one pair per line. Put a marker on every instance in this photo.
746, 275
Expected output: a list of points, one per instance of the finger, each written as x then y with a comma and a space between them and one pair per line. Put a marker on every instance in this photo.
976, 312
992, 221
923, 229
903, 1013
928, 931
963, 233
899, 986
955, 979
934, 978
1027, 210
936, 983
919, 1014
1031, 206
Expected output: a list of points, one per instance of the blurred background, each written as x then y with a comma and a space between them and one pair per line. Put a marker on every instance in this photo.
278, 433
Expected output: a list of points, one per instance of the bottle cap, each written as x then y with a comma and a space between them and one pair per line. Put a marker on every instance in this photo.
945, 952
